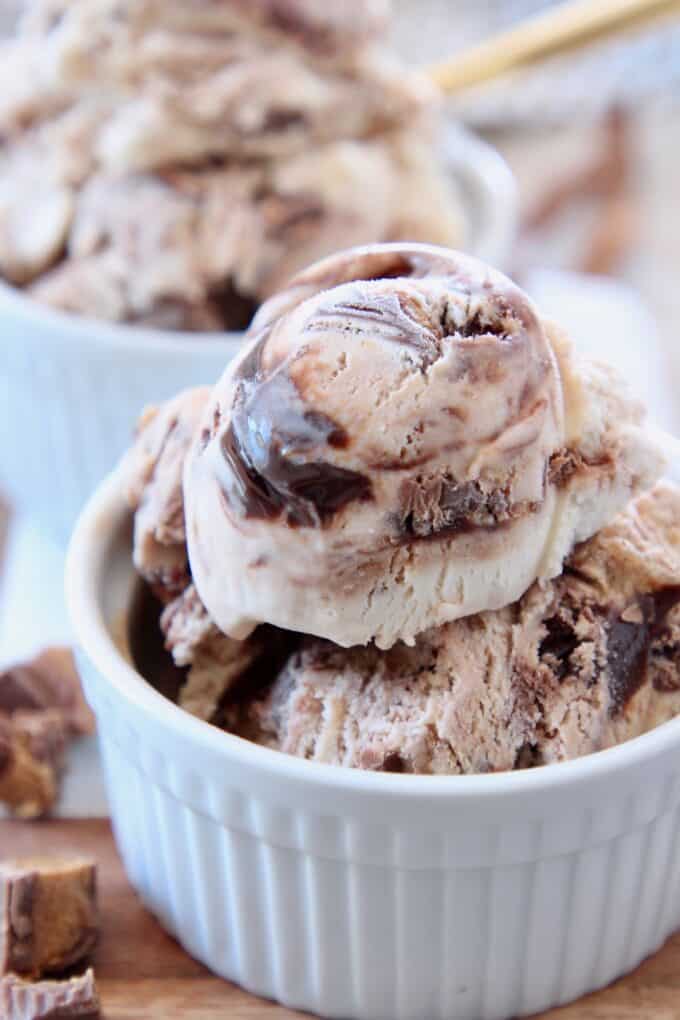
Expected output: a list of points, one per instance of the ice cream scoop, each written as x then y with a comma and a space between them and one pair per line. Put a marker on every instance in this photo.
403, 442
579, 664
173, 163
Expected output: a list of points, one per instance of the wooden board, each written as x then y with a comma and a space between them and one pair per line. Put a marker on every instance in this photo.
142, 972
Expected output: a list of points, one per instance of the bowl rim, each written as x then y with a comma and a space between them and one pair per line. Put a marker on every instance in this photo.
92, 546
480, 170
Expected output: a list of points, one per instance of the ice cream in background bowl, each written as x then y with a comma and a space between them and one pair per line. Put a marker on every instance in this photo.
172, 164
491, 778
164, 168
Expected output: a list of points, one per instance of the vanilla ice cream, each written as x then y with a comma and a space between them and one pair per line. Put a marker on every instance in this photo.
173, 163
403, 442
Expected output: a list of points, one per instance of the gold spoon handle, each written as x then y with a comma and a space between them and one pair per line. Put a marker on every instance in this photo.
565, 28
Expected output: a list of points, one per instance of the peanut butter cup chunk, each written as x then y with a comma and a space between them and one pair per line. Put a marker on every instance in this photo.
48, 914
42, 708
31, 756
75, 999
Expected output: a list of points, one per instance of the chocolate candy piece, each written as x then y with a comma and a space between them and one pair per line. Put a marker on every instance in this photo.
48, 914
41, 709
32, 748
48, 681
76, 999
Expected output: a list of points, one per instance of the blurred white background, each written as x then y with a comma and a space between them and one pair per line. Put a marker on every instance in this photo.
548, 122
629, 69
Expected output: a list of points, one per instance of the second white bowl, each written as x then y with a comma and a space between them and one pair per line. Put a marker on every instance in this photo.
71, 390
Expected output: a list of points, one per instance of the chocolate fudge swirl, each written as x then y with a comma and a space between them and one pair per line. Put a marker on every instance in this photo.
266, 476
282, 451
390, 451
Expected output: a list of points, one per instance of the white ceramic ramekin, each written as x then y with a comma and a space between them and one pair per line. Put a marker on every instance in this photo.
71, 389
363, 895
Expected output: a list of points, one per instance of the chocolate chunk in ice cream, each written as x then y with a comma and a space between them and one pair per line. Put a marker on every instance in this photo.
269, 429
628, 638
180, 652
32, 747
442, 506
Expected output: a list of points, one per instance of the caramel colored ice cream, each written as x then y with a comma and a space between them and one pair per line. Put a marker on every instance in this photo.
402, 443
174, 163
48, 914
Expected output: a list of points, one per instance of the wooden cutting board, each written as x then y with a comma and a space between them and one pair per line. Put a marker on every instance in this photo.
143, 973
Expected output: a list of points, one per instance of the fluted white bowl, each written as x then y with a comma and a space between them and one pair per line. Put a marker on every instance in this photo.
71, 388
362, 895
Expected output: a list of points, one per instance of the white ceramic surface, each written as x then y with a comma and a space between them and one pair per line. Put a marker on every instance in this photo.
361, 895
71, 389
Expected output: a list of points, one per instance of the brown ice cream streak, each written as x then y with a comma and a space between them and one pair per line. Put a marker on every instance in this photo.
273, 421
403, 442
324, 31
268, 481
180, 652
169, 616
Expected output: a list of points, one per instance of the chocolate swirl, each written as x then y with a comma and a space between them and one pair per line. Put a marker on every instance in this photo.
278, 446
395, 403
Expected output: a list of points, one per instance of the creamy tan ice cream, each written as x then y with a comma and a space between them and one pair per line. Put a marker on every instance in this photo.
579, 664
586, 657
402, 443
173, 163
